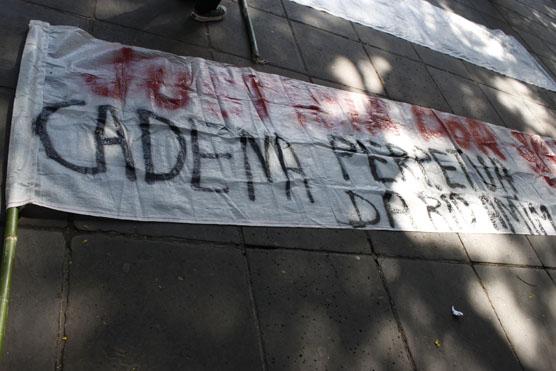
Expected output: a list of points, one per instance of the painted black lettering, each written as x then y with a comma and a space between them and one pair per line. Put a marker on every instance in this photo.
373, 163
120, 139
389, 199
151, 176
503, 175
446, 169
281, 145
360, 223
198, 156
41, 129
247, 139
347, 150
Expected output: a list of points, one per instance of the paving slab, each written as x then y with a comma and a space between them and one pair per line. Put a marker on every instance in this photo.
220, 32
319, 19
167, 18
485, 7
418, 244
272, 6
516, 20
552, 274
276, 41
308, 239
545, 247
35, 301
267, 67
539, 117
142, 305
36, 216
336, 85
386, 41
440, 60
511, 109
482, 75
85, 8
535, 44
550, 64
334, 58
129, 36
423, 294
324, 312
200, 232
14, 18
524, 300
499, 248
465, 97
463, 9
406, 80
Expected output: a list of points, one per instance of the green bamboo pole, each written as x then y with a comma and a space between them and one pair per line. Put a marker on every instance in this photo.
8, 260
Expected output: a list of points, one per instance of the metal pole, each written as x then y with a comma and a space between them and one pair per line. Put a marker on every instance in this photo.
8, 260
255, 54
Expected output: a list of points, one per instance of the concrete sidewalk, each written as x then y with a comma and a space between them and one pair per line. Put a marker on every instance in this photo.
98, 294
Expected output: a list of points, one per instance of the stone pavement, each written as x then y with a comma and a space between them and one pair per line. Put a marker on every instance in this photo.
98, 294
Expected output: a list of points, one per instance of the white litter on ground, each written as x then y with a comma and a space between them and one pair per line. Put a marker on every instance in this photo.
456, 313
422, 23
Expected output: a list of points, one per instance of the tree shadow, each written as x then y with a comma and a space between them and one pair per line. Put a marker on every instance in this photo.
317, 310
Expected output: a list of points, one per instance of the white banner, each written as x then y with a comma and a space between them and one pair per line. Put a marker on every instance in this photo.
109, 130
422, 23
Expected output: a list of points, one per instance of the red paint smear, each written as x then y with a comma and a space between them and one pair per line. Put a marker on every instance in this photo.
119, 87
255, 89
484, 138
429, 126
534, 150
313, 110
378, 118
354, 116
475, 132
155, 82
459, 133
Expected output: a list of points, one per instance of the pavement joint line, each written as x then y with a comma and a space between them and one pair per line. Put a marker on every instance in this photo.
55, 9
422, 258
535, 252
249, 274
427, 68
509, 10
395, 314
386, 94
473, 267
242, 245
509, 265
265, 10
482, 87
410, 43
68, 232
297, 46
162, 36
512, 348
324, 30
346, 87
552, 278
460, 262
175, 240
95, 10
307, 250
268, 63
